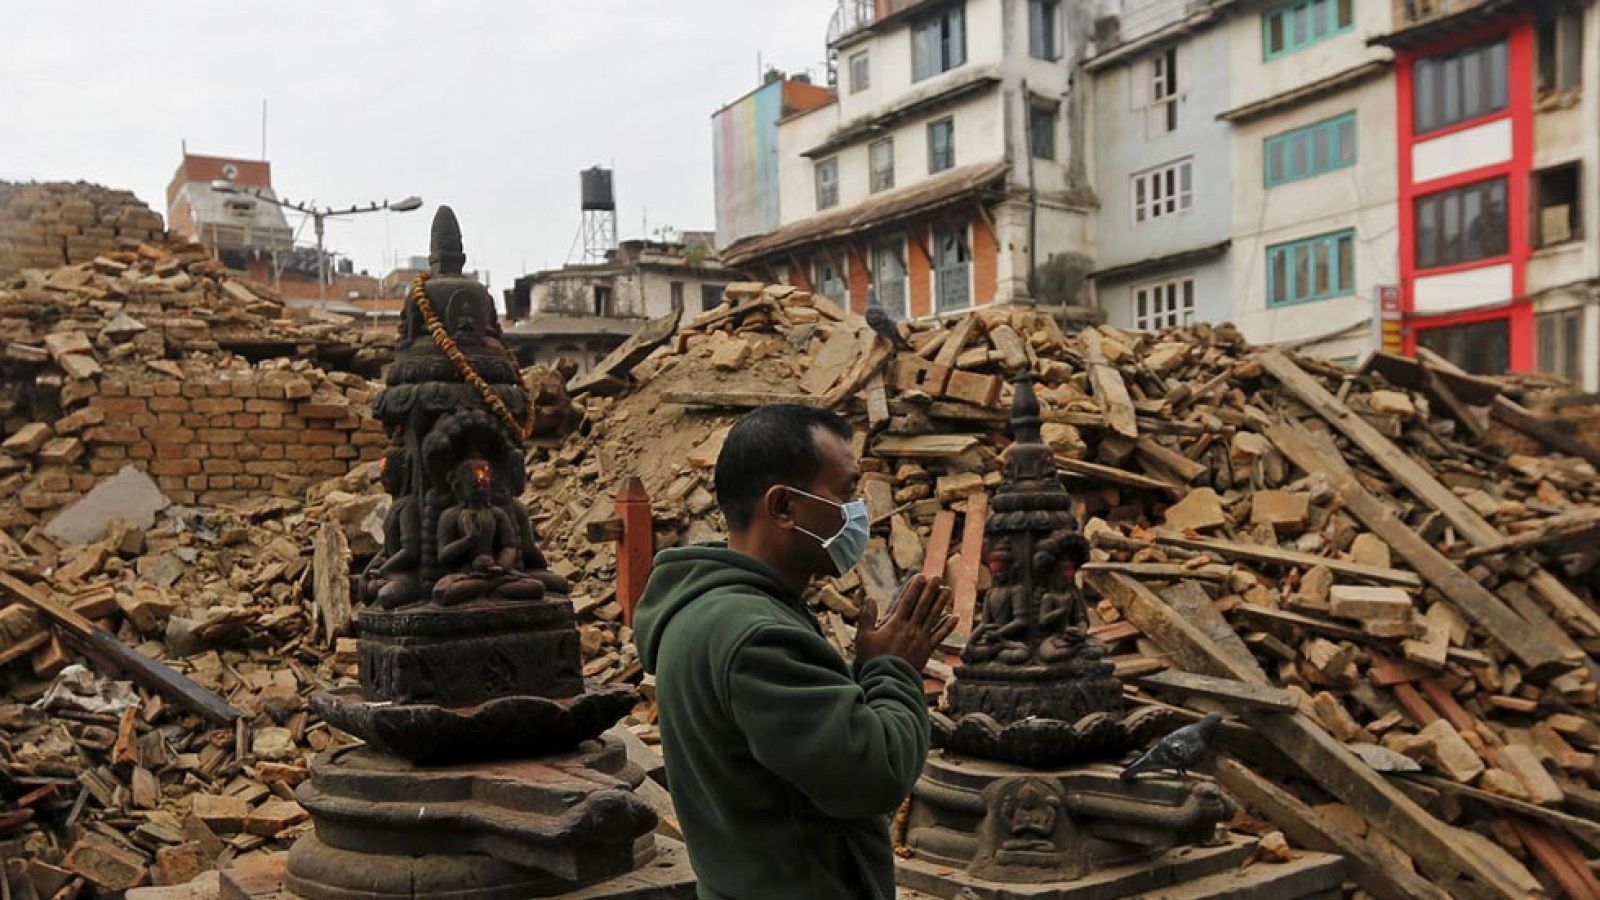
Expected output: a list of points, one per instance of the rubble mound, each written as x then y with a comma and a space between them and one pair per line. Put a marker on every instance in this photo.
44, 225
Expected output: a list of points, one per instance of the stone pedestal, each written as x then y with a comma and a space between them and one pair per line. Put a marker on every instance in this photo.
982, 830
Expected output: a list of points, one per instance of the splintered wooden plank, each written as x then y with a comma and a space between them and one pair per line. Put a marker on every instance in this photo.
1473, 599
1520, 418
965, 590
1399, 464
1261, 553
956, 342
1374, 871
1565, 533
1113, 475
1108, 387
736, 399
924, 446
1231, 692
99, 644
1193, 603
938, 549
1435, 845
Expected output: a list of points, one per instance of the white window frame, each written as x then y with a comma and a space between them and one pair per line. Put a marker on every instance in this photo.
894, 247
1162, 192
962, 235
831, 164
1168, 303
1161, 116
857, 85
843, 265
873, 184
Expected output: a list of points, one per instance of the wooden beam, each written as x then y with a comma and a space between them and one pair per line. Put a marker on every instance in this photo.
98, 644
636, 551
1341, 632
1432, 843
937, 553
924, 446
736, 399
1260, 553
1375, 872
965, 591
1473, 599
1231, 692
1399, 464
1520, 418
1112, 475
1565, 533
1581, 827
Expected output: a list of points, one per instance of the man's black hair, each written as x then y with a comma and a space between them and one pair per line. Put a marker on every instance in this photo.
772, 445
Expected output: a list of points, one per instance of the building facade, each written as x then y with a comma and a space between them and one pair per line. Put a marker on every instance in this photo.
744, 152
1315, 238
583, 312
244, 233
951, 151
1498, 134
1163, 165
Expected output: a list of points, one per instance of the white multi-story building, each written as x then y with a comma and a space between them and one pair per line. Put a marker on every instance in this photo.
1315, 222
948, 171
1162, 165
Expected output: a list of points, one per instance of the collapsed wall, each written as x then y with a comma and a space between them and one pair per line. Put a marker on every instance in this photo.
44, 225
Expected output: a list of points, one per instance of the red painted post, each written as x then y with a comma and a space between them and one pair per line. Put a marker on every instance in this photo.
637, 549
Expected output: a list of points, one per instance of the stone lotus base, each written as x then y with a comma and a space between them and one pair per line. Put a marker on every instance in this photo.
1015, 825
508, 727
1045, 742
385, 828
1224, 872
468, 877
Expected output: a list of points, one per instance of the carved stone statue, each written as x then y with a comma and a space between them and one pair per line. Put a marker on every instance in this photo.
484, 774
1020, 790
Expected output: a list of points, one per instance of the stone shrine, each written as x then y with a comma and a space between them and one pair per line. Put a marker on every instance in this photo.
485, 774
1020, 798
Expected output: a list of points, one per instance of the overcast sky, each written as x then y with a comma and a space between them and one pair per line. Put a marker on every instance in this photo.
491, 106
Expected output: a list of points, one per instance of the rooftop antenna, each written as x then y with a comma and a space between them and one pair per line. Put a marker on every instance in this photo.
263, 129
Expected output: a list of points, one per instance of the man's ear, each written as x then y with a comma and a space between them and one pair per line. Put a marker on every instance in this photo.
778, 503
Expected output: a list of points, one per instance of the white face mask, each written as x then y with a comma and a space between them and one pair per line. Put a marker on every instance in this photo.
849, 544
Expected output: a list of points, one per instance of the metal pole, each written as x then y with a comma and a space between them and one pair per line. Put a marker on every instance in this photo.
322, 265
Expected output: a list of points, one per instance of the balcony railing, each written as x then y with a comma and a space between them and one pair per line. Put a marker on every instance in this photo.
850, 17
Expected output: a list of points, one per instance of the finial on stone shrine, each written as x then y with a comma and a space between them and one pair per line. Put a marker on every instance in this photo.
445, 255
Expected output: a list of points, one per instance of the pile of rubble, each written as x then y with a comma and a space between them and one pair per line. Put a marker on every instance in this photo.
1358, 544
144, 356
1352, 554
51, 224
239, 611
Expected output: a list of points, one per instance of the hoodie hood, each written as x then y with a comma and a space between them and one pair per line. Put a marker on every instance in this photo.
683, 575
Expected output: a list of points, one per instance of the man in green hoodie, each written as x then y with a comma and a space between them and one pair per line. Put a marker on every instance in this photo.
785, 761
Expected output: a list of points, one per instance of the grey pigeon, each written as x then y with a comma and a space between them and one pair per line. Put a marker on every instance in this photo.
1178, 750
879, 321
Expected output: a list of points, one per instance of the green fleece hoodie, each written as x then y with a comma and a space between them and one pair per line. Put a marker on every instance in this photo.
785, 762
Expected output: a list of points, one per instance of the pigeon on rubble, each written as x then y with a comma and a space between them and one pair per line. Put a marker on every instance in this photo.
879, 321
1178, 750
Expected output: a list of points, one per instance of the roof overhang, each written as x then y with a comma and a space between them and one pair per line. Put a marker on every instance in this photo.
1449, 25
1349, 78
874, 126
878, 211
1162, 263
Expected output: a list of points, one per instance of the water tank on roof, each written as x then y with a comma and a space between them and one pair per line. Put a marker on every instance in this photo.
597, 189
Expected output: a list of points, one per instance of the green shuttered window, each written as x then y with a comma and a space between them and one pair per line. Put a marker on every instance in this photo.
1311, 269
1293, 26
1311, 151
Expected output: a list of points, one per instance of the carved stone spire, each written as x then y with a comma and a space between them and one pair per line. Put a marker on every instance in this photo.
445, 255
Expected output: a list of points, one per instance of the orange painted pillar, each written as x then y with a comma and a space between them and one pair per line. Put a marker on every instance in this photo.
636, 550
